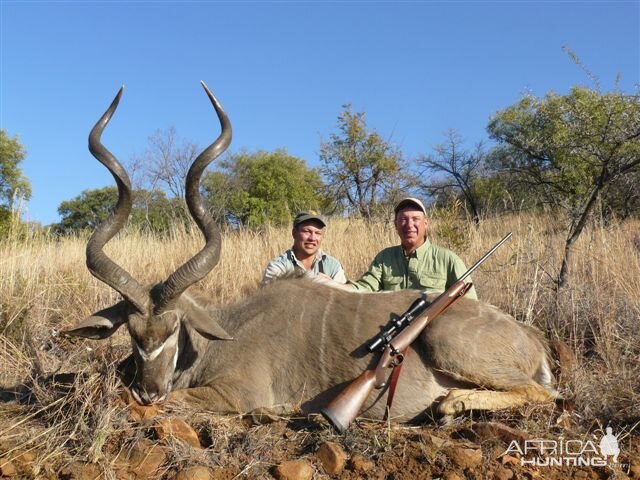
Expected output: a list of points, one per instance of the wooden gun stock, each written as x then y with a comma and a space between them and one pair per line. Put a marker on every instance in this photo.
345, 407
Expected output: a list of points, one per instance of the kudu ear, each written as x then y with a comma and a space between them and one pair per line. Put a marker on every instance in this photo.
203, 323
101, 324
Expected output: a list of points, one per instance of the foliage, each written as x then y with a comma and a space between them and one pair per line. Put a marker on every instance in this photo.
45, 287
154, 211
251, 189
570, 149
5, 221
454, 173
151, 210
87, 210
449, 226
622, 199
14, 187
165, 163
361, 170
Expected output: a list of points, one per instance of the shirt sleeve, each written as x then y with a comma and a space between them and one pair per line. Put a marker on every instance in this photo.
457, 268
371, 280
273, 271
339, 275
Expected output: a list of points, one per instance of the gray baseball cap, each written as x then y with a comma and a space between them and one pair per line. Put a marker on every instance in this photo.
410, 201
307, 216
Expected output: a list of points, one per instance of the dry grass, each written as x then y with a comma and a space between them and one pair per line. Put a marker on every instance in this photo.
45, 287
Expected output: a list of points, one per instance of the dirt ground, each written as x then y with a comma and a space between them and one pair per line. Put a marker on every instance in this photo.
174, 443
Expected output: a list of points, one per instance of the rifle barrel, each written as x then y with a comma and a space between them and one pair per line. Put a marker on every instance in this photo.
484, 257
420, 304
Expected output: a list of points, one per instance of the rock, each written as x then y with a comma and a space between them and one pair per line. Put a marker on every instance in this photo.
7, 469
332, 457
437, 441
509, 460
491, 430
139, 413
359, 463
195, 473
24, 460
502, 473
83, 471
19, 464
28, 457
464, 457
564, 420
175, 428
452, 476
566, 356
294, 470
121, 468
143, 413
225, 474
145, 458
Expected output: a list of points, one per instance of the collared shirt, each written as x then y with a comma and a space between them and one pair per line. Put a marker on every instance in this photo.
287, 263
428, 268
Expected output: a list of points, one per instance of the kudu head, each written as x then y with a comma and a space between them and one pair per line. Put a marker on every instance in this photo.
155, 316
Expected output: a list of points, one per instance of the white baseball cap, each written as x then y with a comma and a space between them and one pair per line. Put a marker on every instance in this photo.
410, 201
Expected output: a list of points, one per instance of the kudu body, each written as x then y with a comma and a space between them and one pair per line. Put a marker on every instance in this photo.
297, 343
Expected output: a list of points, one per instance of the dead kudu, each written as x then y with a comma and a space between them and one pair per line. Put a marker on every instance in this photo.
297, 343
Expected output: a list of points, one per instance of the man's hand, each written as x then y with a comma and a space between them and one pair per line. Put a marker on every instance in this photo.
327, 280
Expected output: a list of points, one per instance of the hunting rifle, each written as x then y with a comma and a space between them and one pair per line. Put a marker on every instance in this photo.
393, 341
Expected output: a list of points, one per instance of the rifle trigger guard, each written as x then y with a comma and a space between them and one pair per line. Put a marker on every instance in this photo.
398, 357
397, 361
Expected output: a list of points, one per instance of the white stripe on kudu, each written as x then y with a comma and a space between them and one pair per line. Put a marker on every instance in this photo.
169, 342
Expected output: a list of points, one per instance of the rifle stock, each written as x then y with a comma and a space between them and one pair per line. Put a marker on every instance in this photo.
341, 411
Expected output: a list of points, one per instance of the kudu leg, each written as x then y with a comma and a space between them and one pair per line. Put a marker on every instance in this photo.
208, 398
215, 400
266, 415
460, 400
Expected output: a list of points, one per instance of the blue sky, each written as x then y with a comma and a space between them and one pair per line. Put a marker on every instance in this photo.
283, 70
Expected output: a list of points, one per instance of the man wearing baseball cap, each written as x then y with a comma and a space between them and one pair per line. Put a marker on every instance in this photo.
415, 263
305, 255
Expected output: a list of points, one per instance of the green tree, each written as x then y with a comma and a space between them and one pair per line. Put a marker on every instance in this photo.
14, 187
154, 211
570, 150
87, 210
151, 210
359, 167
251, 189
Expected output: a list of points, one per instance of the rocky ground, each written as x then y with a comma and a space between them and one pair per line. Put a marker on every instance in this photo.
152, 443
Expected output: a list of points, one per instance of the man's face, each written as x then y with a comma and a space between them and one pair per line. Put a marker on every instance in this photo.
411, 225
307, 238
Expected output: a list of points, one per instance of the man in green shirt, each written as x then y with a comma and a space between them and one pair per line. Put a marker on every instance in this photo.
415, 263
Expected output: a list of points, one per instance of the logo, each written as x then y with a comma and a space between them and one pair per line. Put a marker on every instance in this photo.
573, 453
609, 445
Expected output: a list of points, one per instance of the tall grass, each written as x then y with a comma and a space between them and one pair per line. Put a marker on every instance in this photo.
45, 287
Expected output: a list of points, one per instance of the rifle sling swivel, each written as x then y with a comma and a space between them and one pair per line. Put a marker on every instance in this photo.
393, 382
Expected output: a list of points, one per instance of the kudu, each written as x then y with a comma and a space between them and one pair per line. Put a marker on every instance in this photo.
297, 343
